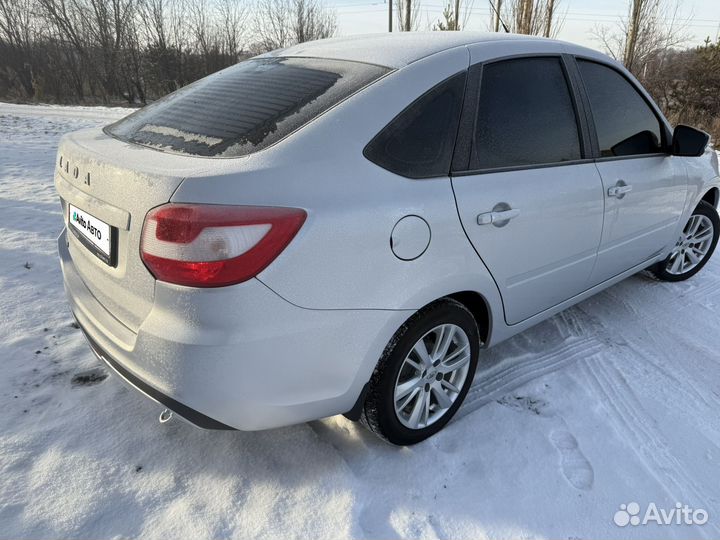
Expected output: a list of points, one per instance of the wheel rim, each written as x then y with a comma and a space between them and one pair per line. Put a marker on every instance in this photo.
432, 376
692, 247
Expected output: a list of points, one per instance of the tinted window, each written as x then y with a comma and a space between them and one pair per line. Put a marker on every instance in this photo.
525, 115
419, 142
246, 107
625, 123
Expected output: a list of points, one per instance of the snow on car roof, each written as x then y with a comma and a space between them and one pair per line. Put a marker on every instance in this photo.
393, 49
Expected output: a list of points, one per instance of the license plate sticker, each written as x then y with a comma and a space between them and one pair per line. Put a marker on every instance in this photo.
94, 233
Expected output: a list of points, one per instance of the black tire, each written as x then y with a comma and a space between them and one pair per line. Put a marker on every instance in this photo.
378, 412
659, 270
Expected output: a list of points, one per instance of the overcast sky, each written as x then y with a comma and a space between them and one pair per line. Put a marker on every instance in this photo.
365, 16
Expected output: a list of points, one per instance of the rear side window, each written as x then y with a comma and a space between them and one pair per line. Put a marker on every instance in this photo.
246, 107
625, 123
419, 142
525, 115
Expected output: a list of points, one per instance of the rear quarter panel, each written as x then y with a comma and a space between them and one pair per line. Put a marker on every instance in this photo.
341, 258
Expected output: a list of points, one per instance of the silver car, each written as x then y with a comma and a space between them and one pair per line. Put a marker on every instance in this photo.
342, 226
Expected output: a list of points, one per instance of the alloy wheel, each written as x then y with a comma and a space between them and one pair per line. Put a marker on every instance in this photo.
432, 376
692, 247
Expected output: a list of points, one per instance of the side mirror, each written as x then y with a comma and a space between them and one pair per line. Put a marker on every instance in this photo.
689, 142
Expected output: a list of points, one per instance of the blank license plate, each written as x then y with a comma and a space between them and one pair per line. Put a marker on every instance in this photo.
95, 234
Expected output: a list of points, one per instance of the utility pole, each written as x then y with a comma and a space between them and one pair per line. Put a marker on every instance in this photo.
408, 8
457, 15
390, 15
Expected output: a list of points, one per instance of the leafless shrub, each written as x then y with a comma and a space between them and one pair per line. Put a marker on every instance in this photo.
686, 85
455, 16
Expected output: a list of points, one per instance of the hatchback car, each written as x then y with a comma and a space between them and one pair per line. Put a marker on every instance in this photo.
341, 226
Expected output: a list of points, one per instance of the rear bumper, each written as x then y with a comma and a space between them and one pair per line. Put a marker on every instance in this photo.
191, 415
237, 357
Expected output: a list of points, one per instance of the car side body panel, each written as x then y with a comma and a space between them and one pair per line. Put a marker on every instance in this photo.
301, 340
353, 206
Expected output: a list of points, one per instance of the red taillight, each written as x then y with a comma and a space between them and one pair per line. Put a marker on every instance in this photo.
203, 245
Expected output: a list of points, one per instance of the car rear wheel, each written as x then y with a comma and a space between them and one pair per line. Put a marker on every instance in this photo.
694, 247
423, 375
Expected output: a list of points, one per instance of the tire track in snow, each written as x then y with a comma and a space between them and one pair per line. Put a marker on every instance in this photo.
513, 373
704, 283
650, 306
635, 425
681, 387
657, 321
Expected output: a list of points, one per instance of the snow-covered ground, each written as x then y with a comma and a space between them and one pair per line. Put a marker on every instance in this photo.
614, 401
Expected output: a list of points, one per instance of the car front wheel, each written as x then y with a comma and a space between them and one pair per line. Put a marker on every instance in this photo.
694, 247
424, 374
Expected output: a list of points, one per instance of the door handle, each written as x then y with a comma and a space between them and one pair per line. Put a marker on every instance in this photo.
498, 219
619, 190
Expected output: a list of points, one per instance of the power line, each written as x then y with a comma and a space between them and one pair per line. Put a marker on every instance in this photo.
574, 15
572, 19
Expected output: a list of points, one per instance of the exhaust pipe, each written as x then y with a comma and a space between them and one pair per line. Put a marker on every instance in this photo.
165, 416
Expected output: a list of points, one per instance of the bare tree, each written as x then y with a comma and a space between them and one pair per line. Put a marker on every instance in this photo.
166, 36
67, 24
18, 33
532, 17
96, 30
408, 15
153, 15
281, 23
109, 24
524, 17
312, 21
132, 65
232, 19
549, 18
272, 24
496, 11
651, 26
202, 31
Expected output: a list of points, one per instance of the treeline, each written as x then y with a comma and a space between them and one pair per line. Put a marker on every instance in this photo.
107, 51
684, 82
686, 85
134, 51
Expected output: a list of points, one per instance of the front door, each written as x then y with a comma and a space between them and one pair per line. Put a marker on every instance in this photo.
645, 188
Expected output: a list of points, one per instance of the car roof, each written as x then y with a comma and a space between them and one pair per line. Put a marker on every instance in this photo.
396, 49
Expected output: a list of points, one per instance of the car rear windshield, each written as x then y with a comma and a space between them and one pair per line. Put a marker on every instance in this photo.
246, 107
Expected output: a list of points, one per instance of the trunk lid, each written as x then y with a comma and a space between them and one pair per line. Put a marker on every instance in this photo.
117, 183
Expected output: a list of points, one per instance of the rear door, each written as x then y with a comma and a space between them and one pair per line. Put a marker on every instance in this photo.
529, 200
644, 186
